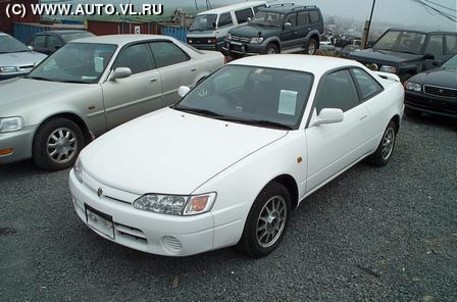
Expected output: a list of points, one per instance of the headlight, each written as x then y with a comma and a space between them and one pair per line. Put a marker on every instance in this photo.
229, 37
387, 68
175, 204
8, 69
413, 86
257, 40
78, 168
11, 124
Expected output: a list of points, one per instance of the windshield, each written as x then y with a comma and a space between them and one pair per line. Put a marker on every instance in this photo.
10, 44
451, 63
267, 19
75, 63
251, 95
401, 41
204, 22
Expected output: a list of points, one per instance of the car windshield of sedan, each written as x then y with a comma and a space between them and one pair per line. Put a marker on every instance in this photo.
9, 44
451, 63
75, 63
252, 95
267, 19
401, 41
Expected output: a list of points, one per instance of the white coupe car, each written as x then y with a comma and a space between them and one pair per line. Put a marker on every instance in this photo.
228, 163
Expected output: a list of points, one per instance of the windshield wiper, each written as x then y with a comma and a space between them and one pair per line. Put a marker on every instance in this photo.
198, 111
38, 78
264, 123
73, 82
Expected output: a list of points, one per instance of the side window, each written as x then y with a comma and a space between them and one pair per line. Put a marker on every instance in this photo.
368, 86
292, 18
435, 45
167, 53
225, 19
314, 16
303, 18
256, 8
451, 44
336, 90
136, 57
243, 15
39, 42
54, 43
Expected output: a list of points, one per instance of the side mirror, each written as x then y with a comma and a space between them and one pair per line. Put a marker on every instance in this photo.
57, 47
437, 63
30, 47
327, 116
121, 73
249, 19
287, 25
429, 56
183, 91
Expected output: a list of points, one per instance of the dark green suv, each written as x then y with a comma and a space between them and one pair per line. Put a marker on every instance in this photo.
281, 28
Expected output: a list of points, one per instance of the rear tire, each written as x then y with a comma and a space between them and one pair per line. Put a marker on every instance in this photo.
267, 221
311, 47
385, 149
57, 144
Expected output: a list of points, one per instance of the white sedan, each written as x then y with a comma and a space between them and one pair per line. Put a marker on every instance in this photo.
228, 163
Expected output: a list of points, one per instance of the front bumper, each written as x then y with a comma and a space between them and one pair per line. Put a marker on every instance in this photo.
20, 142
243, 48
141, 230
431, 104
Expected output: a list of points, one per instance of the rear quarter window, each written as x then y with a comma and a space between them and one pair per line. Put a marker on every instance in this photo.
225, 20
243, 15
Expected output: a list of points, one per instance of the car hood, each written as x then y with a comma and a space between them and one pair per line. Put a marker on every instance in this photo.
171, 152
441, 77
26, 58
252, 30
383, 56
21, 93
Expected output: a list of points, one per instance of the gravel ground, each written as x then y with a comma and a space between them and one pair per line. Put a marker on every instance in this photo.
373, 234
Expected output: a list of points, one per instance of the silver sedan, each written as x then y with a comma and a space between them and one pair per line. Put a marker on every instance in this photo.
89, 87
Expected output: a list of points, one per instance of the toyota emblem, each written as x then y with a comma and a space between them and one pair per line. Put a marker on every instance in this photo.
100, 192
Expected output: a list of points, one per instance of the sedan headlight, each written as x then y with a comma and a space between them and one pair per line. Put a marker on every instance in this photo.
175, 204
413, 86
8, 69
387, 68
257, 40
11, 124
78, 168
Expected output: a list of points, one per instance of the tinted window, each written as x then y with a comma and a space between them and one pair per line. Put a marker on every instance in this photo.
435, 45
243, 15
367, 85
314, 16
303, 18
39, 42
54, 43
225, 19
336, 90
67, 37
451, 44
10, 44
292, 18
136, 57
402, 41
167, 53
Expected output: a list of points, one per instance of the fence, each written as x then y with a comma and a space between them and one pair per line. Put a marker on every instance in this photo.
179, 33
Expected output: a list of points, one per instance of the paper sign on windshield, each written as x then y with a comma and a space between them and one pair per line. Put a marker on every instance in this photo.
287, 102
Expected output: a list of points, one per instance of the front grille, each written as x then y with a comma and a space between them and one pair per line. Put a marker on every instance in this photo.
240, 39
440, 91
198, 40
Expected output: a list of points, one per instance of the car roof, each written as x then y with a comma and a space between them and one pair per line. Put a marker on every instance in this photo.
231, 7
62, 31
316, 65
421, 31
121, 39
287, 7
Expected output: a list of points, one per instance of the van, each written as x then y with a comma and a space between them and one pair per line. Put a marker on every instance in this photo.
210, 27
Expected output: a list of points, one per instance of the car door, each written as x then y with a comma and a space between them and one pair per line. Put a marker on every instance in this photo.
289, 35
175, 68
137, 94
334, 147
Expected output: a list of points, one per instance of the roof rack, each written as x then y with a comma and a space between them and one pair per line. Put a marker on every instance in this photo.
282, 4
304, 6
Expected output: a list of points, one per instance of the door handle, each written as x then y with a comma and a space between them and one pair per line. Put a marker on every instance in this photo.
363, 117
152, 80
193, 69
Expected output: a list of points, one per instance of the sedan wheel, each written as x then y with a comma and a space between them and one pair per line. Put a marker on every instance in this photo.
57, 144
267, 221
386, 147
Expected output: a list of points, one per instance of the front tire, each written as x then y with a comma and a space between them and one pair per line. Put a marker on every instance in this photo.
311, 47
385, 149
267, 221
271, 49
57, 144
